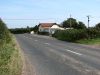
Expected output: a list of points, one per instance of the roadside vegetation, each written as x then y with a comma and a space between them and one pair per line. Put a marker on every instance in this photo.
24, 30
79, 34
70, 35
10, 59
95, 41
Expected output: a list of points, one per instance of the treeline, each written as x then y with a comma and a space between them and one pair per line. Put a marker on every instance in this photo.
24, 30
21, 30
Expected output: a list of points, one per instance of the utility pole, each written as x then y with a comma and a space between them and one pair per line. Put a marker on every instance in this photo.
70, 21
88, 25
88, 20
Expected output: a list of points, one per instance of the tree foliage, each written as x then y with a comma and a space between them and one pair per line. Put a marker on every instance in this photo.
71, 22
81, 25
21, 30
24, 30
98, 25
36, 28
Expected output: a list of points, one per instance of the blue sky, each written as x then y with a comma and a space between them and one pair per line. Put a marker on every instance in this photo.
48, 11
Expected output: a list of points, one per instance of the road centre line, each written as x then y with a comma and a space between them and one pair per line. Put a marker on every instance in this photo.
25, 37
74, 52
29, 38
66, 49
35, 40
47, 43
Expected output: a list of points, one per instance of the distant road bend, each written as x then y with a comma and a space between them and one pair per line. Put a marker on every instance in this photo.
49, 56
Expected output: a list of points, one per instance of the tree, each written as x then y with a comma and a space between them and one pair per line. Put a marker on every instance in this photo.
36, 28
70, 22
28, 29
81, 25
97, 25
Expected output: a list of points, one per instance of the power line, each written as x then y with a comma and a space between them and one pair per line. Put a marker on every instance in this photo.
30, 19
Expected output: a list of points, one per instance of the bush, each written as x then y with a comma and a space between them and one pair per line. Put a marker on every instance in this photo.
10, 60
77, 34
70, 34
94, 33
4, 33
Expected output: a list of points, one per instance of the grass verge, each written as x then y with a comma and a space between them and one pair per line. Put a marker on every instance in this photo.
10, 59
95, 41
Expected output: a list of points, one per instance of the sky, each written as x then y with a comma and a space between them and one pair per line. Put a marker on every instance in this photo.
22, 13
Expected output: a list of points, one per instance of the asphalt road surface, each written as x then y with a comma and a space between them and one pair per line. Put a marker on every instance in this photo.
49, 56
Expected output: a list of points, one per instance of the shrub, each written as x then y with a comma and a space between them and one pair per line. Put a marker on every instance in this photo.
4, 33
77, 34
10, 60
70, 34
94, 33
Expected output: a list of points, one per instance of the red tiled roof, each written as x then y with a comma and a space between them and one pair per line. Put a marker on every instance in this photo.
46, 24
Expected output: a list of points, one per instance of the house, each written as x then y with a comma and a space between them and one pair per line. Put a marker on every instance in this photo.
45, 27
54, 28
49, 27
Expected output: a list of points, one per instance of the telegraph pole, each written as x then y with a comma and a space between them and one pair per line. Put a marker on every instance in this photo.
88, 25
88, 20
70, 21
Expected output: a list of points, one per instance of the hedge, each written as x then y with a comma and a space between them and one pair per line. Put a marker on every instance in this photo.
76, 34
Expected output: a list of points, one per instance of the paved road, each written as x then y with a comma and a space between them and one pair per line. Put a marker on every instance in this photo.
53, 57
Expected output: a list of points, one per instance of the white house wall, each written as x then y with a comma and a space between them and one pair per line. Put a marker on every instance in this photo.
41, 29
50, 30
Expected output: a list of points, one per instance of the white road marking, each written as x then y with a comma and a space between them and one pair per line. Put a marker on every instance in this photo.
74, 52
35, 40
24, 36
27, 37
47, 43
87, 70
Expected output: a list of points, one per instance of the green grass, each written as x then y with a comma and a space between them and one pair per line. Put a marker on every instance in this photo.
95, 41
10, 59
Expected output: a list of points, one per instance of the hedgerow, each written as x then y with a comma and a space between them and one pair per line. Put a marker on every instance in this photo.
76, 34
10, 60
5, 36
